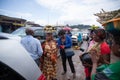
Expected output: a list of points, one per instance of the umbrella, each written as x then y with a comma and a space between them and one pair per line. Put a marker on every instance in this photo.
67, 28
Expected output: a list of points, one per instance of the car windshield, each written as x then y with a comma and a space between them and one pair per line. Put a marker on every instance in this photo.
75, 33
39, 32
19, 32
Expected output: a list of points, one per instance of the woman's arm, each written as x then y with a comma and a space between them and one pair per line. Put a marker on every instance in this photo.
94, 66
95, 59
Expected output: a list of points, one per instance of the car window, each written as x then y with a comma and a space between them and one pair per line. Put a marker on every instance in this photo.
19, 32
7, 73
55, 35
39, 33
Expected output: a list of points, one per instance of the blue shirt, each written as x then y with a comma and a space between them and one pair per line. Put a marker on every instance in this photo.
33, 46
67, 43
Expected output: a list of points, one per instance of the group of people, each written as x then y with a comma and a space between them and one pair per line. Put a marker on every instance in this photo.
97, 59
45, 53
97, 67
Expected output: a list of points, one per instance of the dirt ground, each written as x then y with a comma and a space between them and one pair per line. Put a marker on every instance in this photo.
78, 67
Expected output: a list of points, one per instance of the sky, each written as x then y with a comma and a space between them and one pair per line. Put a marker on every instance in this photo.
57, 12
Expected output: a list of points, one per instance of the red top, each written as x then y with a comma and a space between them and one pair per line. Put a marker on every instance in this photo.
105, 49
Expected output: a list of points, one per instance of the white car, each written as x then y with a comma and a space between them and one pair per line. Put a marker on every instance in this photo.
15, 61
74, 40
85, 36
10, 36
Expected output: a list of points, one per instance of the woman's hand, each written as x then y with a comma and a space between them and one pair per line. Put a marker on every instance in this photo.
62, 46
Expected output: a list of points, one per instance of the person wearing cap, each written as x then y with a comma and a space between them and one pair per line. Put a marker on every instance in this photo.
101, 47
49, 57
32, 45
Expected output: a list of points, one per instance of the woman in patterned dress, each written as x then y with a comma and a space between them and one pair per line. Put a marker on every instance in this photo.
49, 57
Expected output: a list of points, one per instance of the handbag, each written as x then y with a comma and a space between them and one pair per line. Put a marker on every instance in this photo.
85, 58
69, 52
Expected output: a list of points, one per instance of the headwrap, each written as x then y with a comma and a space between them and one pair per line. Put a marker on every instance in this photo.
49, 29
100, 33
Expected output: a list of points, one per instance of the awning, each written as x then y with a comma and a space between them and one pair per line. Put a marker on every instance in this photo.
112, 20
113, 24
18, 24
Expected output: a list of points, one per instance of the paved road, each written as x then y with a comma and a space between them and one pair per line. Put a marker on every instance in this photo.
78, 67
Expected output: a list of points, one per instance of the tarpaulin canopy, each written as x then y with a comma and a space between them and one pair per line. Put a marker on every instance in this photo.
112, 26
67, 28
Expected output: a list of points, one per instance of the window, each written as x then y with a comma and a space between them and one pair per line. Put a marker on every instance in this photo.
6, 73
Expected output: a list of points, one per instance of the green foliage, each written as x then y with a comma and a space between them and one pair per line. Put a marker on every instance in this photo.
93, 27
80, 26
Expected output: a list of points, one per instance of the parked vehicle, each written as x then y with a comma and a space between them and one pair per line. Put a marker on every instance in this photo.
74, 40
38, 33
85, 36
10, 36
15, 61
77, 38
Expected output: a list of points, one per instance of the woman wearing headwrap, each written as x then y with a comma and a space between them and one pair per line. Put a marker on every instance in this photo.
49, 57
112, 71
101, 48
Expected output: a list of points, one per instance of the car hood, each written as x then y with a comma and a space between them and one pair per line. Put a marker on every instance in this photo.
74, 36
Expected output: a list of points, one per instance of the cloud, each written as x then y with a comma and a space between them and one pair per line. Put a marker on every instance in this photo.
52, 4
79, 11
41, 22
24, 15
67, 11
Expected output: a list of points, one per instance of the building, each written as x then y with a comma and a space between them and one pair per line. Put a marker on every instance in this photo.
9, 24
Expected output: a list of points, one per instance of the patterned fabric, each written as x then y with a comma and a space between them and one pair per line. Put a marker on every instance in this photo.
49, 59
49, 29
103, 52
91, 44
108, 72
100, 33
